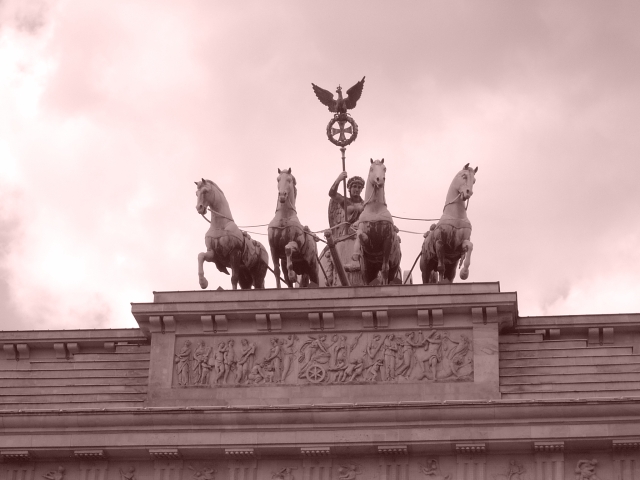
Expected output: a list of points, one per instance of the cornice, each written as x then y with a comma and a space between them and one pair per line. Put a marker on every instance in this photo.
335, 416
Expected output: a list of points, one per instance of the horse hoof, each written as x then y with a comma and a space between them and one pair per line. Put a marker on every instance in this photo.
464, 273
203, 283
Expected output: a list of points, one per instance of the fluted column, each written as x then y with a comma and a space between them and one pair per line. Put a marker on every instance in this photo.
549, 460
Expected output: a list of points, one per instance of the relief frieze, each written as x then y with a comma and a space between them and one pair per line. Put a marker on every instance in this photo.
341, 358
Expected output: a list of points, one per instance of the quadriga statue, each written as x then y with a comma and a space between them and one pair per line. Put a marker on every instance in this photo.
377, 244
447, 244
228, 246
292, 245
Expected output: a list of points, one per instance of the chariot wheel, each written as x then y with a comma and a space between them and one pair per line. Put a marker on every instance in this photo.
316, 374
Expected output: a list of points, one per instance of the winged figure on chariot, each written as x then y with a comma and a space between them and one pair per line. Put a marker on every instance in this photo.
343, 230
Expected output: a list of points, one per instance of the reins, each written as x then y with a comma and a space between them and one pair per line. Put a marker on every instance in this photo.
454, 201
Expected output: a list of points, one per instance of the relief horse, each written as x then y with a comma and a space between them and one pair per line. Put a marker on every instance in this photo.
448, 244
291, 243
227, 246
377, 243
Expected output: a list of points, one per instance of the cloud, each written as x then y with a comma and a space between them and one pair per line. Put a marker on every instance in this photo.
114, 109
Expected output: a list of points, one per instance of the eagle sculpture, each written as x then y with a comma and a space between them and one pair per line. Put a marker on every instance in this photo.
340, 105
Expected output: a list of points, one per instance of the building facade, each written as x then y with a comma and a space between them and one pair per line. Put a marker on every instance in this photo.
396, 382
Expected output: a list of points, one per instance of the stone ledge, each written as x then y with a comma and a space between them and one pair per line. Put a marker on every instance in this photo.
165, 453
15, 455
548, 447
470, 448
315, 451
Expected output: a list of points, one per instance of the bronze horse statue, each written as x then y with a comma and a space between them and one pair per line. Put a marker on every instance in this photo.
448, 244
377, 243
291, 243
227, 246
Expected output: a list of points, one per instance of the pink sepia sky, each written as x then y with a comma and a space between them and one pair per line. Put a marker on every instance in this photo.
110, 110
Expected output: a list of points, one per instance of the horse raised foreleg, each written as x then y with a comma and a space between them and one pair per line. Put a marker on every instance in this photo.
467, 246
202, 257
291, 249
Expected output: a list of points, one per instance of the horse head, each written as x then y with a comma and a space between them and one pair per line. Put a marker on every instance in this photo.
463, 182
203, 191
287, 190
377, 172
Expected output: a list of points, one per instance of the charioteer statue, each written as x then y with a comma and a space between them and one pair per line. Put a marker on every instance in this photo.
343, 229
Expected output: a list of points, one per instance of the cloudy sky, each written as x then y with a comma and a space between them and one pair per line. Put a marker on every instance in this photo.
110, 110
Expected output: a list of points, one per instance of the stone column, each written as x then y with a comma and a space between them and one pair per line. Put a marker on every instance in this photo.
626, 466
242, 464
394, 463
93, 470
316, 463
471, 467
316, 468
167, 469
626, 460
19, 471
549, 460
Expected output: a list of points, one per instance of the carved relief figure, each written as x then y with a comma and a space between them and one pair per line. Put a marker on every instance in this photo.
313, 356
218, 361
406, 356
432, 470
349, 472
289, 352
183, 363
207, 473
372, 372
586, 470
129, 474
230, 362
373, 348
414, 356
515, 471
245, 363
459, 356
284, 474
390, 350
55, 474
207, 366
274, 359
433, 355
199, 358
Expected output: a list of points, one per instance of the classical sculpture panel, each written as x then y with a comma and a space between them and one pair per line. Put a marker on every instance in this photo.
340, 358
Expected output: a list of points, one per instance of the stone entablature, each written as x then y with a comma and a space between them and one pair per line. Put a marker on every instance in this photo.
402, 343
423, 465
112, 407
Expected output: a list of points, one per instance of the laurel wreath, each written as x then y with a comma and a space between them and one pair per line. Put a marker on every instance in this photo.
348, 120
